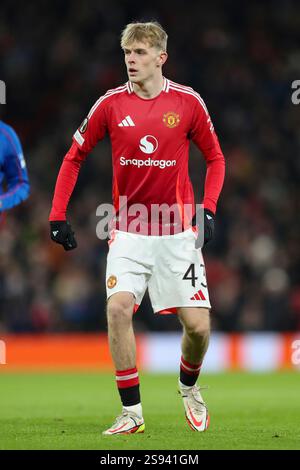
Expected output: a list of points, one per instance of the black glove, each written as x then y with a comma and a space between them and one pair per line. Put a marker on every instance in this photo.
209, 227
61, 232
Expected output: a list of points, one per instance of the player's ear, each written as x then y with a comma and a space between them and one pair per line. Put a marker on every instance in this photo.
162, 58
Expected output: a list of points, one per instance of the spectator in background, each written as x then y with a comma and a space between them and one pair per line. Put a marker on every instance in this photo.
14, 183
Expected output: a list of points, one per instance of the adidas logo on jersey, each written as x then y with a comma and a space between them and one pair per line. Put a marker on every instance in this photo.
127, 122
198, 296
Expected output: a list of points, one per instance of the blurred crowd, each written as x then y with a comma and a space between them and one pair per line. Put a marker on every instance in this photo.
57, 58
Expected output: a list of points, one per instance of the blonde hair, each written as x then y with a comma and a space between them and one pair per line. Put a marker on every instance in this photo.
151, 32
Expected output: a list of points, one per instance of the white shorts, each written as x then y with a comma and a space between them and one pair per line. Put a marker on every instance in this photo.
170, 266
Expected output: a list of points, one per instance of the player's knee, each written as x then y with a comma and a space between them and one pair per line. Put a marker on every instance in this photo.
198, 328
119, 312
196, 323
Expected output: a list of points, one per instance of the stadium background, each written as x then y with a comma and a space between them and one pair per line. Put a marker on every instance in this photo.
57, 58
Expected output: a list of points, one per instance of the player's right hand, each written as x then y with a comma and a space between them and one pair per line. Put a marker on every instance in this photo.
61, 232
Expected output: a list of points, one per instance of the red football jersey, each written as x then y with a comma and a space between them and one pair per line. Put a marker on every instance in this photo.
150, 150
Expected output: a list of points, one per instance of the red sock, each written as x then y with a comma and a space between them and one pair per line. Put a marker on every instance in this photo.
189, 372
129, 386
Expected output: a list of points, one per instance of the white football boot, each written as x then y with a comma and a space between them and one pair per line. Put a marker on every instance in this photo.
127, 423
196, 412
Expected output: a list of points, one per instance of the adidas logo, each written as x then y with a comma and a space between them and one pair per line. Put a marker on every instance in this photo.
127, 122
55, 232
198, 296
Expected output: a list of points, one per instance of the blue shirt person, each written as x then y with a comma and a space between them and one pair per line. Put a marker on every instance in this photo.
14, 183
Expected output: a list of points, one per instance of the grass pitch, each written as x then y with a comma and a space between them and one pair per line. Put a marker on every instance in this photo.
70, 410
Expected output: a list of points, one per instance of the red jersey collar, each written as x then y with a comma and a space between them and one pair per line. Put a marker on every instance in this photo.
165, 88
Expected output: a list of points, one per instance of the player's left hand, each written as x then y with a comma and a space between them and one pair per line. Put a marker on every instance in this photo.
61, 232
208, 229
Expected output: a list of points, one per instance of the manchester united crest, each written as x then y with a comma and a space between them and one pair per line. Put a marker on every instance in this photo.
111, 282
171, 119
